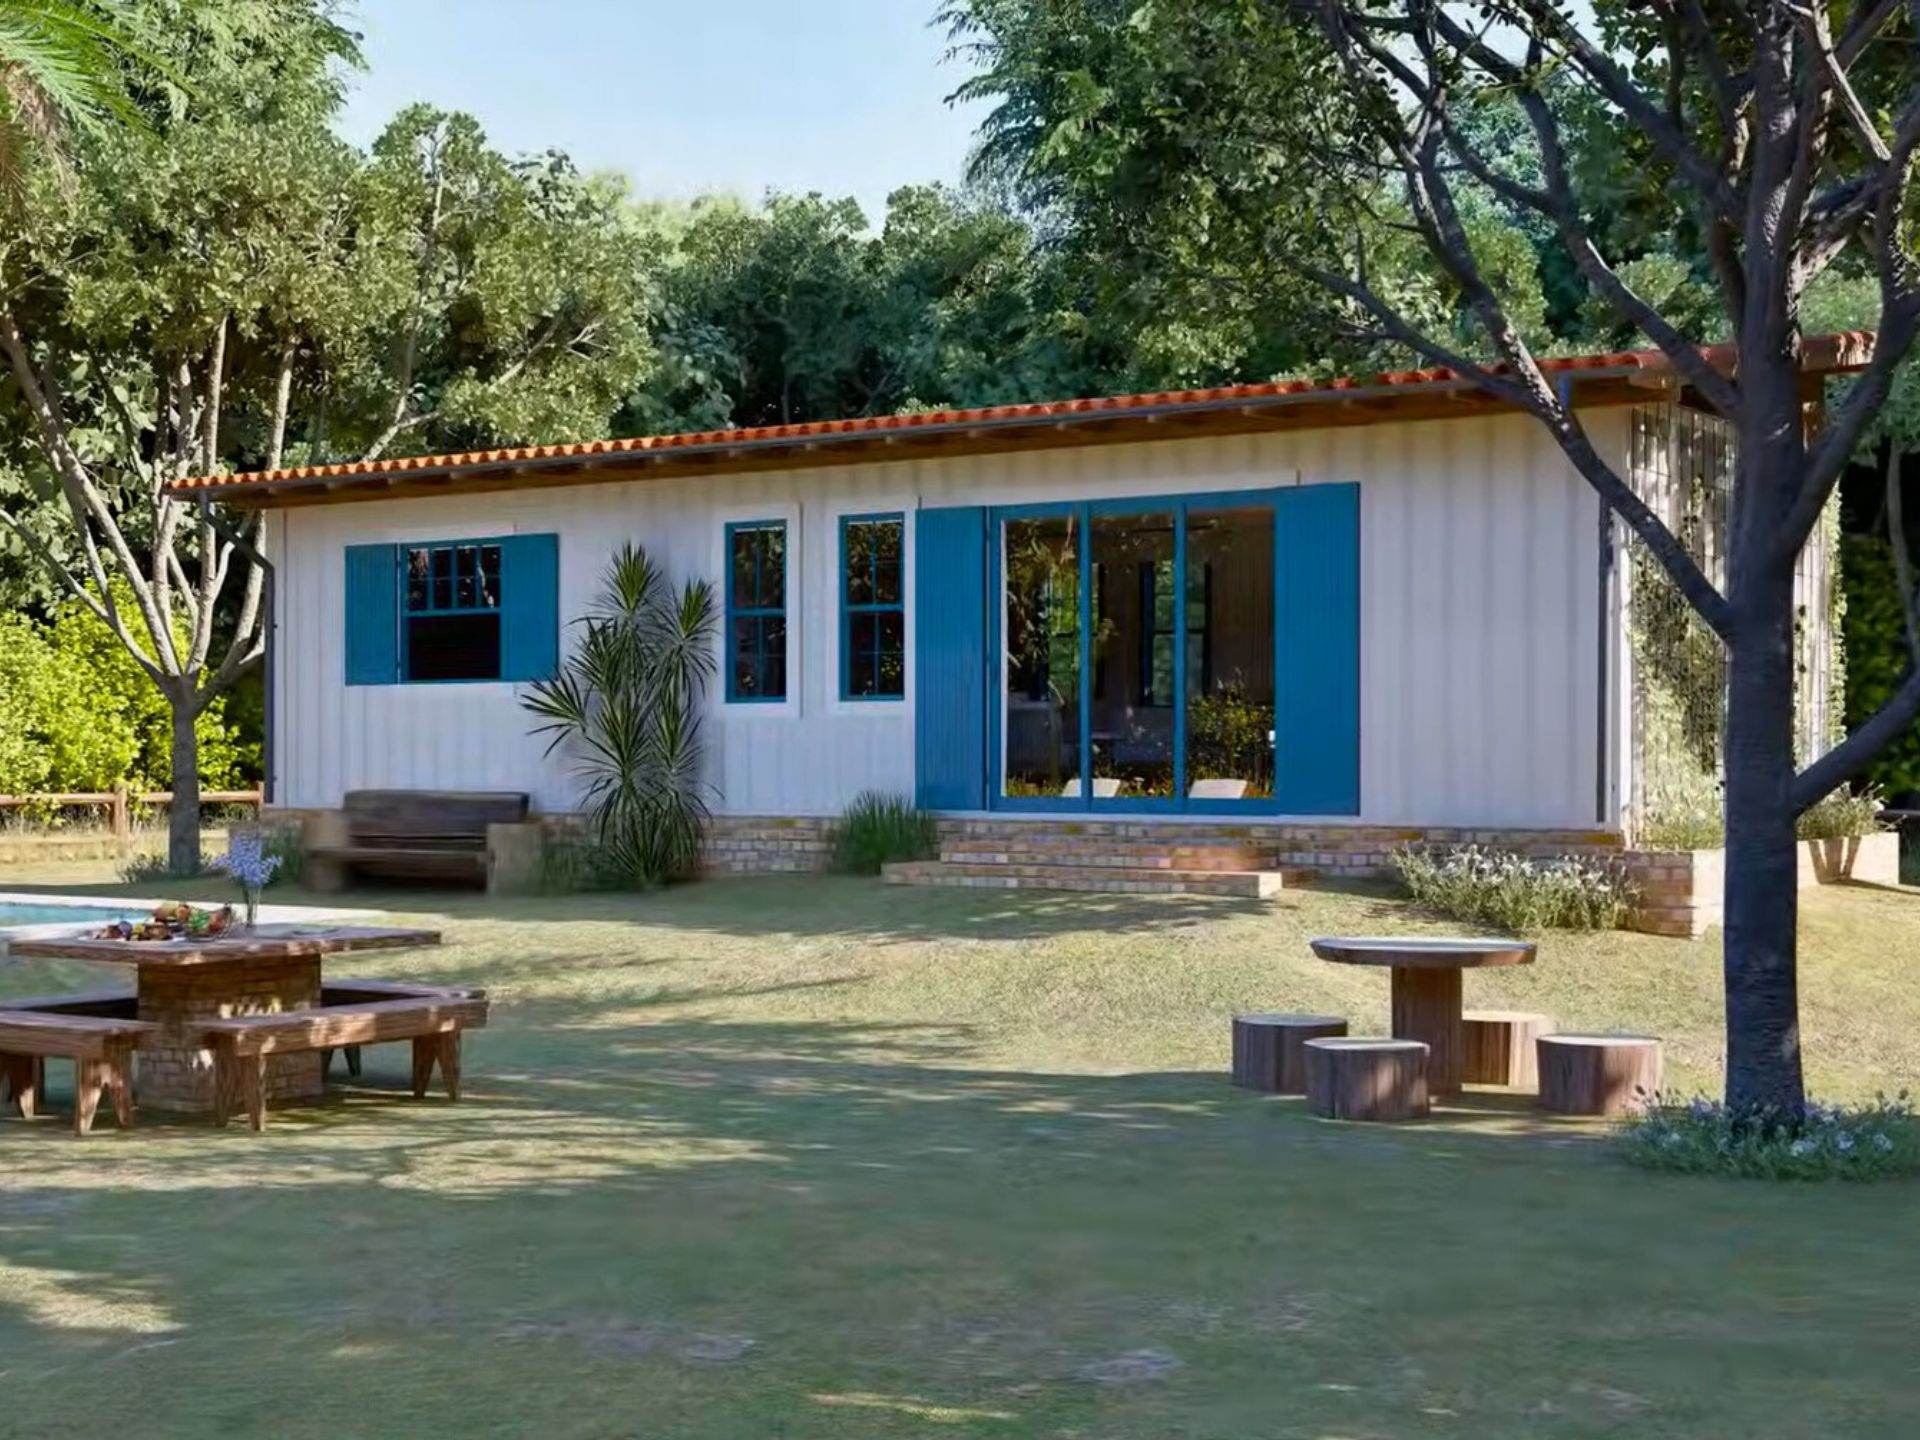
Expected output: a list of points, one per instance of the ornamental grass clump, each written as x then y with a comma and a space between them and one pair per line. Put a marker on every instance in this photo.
881, 830
1828, 1142
1504, 891
1843, 815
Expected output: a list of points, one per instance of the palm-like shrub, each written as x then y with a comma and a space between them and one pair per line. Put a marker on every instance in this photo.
626, 710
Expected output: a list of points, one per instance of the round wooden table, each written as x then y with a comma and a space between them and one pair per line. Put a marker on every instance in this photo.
1427, 987
270, 969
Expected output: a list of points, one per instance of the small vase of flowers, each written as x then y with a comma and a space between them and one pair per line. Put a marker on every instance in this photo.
248, 862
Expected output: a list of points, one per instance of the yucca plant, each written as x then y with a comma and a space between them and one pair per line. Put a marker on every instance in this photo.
626, 710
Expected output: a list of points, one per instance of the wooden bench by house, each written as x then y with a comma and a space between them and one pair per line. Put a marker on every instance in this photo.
446, 837
371, 992
101, 1049
241, 1045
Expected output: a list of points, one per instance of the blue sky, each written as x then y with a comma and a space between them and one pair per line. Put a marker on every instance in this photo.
683, 96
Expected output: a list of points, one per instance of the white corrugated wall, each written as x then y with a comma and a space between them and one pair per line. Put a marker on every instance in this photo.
1480, 601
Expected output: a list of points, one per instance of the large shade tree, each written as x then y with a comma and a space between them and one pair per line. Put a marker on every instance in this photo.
1361, 147
233, 286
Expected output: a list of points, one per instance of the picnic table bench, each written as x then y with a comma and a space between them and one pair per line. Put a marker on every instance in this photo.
480, 837
100, 1047
116, 1002
241, 1045
366, 992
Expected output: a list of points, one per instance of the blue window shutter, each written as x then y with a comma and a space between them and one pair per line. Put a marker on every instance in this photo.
529, 607
373, 614
1317, 639
950, 658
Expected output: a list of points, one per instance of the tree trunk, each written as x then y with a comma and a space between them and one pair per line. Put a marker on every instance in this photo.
183, 824
1762, 883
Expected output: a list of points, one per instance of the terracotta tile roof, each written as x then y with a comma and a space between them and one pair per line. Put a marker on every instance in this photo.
1826, 354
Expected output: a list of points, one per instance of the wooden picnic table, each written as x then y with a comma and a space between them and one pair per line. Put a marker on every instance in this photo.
1427, 987
181, 983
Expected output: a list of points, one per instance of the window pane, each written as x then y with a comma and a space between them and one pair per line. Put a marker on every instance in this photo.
490, 576
442, 579
1132, 733
1230, 653
1040, 628
873, 562
759, 658
467, 577
860, 563
454, 647
759, 567
876, 654
773, 567
418, 595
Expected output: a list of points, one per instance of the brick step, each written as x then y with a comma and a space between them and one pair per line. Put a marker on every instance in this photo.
1109, 854
1240, 884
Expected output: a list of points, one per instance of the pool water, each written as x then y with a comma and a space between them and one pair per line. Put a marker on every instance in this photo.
25, 912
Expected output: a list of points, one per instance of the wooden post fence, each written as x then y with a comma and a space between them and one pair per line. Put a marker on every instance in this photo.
119, 802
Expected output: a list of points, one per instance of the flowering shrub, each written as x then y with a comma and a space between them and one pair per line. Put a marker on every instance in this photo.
1832, 1142
1510, 892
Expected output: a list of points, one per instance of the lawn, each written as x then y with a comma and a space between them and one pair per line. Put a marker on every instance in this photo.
814, 1158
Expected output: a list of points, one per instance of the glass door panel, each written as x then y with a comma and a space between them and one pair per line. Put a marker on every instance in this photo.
1230, 654
1041, 723
1134, 624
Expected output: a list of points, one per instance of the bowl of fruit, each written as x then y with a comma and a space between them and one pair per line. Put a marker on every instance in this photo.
173, 920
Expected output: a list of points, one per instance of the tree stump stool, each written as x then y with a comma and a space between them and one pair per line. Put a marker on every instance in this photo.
1597, 1074
1498, 1047
1268, 1053
1365, 1079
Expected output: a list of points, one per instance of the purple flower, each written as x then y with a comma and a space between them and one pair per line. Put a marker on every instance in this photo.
248, 862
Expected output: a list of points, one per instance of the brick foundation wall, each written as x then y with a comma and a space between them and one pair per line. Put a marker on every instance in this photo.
767, 845
1682, 889
759, 845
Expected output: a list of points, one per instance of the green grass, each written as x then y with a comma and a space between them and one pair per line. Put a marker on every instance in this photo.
816, 1158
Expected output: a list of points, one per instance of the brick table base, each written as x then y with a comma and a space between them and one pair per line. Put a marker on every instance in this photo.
175, 1073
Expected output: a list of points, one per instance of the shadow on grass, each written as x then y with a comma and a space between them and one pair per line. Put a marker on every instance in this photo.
829, 1208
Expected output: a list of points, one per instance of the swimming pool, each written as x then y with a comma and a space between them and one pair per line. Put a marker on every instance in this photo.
15, 912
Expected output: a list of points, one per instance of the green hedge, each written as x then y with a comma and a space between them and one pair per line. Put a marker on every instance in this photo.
78, 714
1876, 654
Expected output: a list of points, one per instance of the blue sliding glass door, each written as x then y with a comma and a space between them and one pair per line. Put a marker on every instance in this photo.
1192, 654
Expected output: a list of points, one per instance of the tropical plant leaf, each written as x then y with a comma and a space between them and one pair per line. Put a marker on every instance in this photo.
626, 711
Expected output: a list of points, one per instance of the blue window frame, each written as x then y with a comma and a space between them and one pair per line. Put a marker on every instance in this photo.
873, 611
450, 612
757, 612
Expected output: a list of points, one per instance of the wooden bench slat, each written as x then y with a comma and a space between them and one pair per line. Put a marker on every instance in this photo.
69, 1037
331, 1028
241, 1044
353, 992
114, 1003
475, 856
